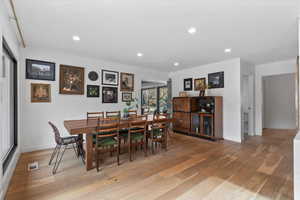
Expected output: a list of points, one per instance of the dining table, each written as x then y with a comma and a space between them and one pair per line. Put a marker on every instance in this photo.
88, 127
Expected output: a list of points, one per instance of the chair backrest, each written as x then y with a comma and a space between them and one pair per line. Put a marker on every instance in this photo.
161, 116
107, 128
138, 124
113, 114
58, 138
162, 123
94, 115
132, 113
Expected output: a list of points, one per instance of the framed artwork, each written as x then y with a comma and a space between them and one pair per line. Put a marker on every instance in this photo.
127, 82
40, 93
109, 95
110, 77
71, 80
188, 84
200, 84
93, 76
93, 91
40, 70
216, 80
126, 96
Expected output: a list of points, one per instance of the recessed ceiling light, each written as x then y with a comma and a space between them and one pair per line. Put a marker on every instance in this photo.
227, 50
192, 30
139, 54
176, 64
76, 38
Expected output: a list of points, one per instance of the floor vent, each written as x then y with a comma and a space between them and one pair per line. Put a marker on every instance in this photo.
33, 166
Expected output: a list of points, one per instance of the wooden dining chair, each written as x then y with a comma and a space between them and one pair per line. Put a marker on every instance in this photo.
113, 114
94, 115
137, 134
132, 113
63, 143
159, 133
107, 138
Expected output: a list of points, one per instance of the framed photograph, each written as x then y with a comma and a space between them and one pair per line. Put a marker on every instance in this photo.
110, 77
40, 70
188, 84
71, 80
126, 96
109, 95
127, 82
216, 80
93, 91
40, 93
93, 76
200, 84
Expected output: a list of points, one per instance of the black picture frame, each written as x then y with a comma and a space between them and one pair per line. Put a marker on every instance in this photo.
109, 94
107, 74
216, 80
93, 76
40, 70
92, 91
126, 99
188, 84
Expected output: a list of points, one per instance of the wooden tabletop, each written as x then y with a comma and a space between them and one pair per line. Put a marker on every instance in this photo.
84, 126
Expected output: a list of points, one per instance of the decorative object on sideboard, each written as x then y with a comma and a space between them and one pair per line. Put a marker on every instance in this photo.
40, 70
71, 80
188, 84
93, 76
109, 95
40, 93
110, 77
183, 94
93, 91
127, 82
216, 80
126, 96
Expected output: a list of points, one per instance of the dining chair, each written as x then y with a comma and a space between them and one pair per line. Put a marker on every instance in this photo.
94, 115
132, 113
64, 142
159, 132
137, 134
113, 114
107, 138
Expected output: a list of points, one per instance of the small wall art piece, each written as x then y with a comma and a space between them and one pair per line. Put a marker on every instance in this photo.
71, 80
93, 91
40, 93
93, 76
200, 84
188, 84
110, 77
216, 80
126, 97
109, 95
127, 82
40, 70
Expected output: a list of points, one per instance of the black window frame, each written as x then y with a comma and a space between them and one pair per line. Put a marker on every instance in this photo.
11, 153
157, 96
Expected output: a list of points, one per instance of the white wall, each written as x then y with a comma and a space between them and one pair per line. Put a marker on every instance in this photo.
36, 133
231, 92
7, 31
276, 68
279, 102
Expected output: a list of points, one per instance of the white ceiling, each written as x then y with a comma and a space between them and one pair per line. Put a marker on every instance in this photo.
258, 31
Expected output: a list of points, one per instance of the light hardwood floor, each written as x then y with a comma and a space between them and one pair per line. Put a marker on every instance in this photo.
192, 168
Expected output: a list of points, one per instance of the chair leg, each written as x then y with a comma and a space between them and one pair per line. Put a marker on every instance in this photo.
53, 154
56, 165
76, 153
130, 145
118, 152
97, 159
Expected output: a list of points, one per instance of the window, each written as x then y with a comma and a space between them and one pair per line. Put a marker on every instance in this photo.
155, 99
8, 106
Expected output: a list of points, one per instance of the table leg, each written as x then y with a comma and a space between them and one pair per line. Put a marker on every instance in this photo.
89, 152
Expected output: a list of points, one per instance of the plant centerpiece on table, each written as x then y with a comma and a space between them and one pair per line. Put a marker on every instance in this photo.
131, 105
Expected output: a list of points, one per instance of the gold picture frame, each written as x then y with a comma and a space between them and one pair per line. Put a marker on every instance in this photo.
40, 93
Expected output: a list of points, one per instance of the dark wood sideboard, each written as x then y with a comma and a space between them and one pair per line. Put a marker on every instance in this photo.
199, 116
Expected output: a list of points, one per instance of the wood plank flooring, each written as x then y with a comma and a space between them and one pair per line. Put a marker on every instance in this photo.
192, 168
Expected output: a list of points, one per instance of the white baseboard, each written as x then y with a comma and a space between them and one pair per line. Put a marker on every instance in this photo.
9, 173
38, 147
